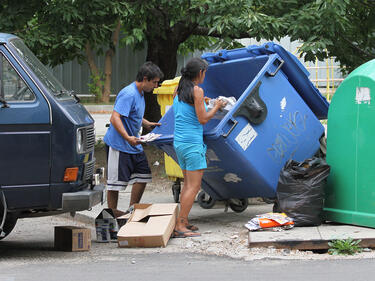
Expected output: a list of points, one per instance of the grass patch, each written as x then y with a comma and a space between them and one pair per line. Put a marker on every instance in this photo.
344, 247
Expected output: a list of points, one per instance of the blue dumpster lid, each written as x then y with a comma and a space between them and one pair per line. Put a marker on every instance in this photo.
297, 74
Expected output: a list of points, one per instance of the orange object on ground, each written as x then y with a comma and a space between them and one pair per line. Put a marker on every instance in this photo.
270, 220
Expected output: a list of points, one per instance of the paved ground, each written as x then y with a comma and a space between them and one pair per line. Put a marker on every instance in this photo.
100, 124
28, 254
165, 267
224, 234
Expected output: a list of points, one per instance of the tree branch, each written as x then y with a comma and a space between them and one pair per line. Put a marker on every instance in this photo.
367, 54
116, 33
165, 17
90, 60
204, 31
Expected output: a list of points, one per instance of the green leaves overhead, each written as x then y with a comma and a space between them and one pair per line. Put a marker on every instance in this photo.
340, 28
59, 30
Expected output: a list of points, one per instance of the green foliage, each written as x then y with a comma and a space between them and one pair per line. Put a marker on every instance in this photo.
344, 247
60, 31
260, 19
197, 42
63, 30
14, 14
99, 144
202, 24
341, 28
96, 86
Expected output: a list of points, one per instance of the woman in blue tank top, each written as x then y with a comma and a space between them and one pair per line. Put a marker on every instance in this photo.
190, 116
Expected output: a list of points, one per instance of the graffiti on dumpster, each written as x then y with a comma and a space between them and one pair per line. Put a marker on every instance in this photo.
293, 127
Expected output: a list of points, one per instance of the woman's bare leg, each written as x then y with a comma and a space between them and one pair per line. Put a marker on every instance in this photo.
192, 185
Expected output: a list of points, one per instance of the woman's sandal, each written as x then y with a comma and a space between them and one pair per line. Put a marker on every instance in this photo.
184, 234
188, 226
192, 227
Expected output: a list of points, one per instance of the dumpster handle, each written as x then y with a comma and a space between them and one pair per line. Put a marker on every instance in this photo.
235, 122
272, 74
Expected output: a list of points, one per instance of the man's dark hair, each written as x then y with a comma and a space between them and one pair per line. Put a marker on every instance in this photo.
150, 71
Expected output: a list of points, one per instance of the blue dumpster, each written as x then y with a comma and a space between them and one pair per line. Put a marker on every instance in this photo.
274, 119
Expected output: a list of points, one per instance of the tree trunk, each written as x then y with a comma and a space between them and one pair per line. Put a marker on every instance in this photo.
93, 68
107, 76
108, 62
164, 54
105, 91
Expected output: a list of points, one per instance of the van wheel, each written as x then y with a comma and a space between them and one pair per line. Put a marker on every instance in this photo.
10, 223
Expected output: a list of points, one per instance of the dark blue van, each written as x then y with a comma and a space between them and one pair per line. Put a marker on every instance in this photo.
47, 141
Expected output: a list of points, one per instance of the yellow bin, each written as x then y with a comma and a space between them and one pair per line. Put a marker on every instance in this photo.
165, 100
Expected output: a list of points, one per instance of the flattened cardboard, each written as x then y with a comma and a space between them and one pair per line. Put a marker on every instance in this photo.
152, 210
150, 225
72, 238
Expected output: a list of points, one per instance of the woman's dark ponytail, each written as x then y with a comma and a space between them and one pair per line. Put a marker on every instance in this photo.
191, 71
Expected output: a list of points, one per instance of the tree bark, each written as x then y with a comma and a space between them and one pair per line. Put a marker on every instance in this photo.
93, 67
107, 76
163, 53
108, 63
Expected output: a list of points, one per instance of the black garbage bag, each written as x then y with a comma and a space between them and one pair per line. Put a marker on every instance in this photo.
300, 191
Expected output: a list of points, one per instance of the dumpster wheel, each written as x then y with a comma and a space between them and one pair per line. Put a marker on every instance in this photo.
205, 200
176, 190
238, 205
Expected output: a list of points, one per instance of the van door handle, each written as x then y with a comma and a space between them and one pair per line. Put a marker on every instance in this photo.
3, 101
235, 122
272, 74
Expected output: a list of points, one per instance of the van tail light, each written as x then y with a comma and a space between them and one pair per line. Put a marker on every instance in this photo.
71, 174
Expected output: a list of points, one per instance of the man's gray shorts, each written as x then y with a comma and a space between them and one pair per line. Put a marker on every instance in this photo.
125, 168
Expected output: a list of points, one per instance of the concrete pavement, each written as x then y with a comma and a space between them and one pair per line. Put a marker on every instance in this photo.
101, 120
101, 114
224, 234
225, 230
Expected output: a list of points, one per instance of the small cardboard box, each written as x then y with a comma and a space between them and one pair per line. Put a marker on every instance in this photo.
107, 226
150, 225
72, 238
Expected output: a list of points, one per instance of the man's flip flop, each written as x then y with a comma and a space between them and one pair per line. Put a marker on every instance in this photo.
192, 227
183, 234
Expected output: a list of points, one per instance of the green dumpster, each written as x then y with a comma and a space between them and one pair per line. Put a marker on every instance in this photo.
350, 190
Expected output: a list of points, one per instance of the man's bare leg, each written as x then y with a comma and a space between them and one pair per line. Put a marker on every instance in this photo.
137, 192
112, 200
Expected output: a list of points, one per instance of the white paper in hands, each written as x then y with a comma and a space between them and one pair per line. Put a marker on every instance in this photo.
149, 137
221, 113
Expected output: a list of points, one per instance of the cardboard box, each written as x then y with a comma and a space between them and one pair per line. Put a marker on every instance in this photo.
150, 225
72, 238
107, 226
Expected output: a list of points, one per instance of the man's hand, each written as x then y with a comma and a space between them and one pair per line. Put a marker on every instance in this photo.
149, 125
133, 140
153, 125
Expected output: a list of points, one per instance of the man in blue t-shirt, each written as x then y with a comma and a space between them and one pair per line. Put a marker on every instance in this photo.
127, 162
